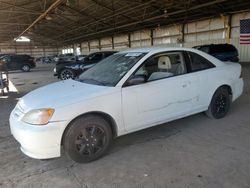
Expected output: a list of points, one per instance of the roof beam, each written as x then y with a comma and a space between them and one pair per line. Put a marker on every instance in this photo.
111, 9
19, 12
15, 23
81, 13
19, 7
148, 19
142, 5
43, 15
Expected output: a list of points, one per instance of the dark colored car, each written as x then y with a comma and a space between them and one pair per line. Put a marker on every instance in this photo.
1, 55
18, 62
224, 52
69, 69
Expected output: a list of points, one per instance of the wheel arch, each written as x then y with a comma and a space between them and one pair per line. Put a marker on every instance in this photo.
104, 115
227, 86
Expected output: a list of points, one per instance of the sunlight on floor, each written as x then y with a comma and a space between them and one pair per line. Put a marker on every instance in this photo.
12, 87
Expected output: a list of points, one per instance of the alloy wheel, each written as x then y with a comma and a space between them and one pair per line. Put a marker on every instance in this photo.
221, 104
90, 140
67, 74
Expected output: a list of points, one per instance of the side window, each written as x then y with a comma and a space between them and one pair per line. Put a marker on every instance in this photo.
162, 66
108, 54
6, 59
96, 57
13, 58
198, 62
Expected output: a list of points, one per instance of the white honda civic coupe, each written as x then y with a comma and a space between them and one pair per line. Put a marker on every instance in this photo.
126, 92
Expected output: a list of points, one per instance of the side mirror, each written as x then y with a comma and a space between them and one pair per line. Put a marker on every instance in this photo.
136, 80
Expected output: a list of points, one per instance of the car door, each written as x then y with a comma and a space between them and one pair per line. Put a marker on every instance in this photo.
12, 62
168, 93
206, 73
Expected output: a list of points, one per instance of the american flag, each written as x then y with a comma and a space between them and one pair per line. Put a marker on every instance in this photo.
245, 31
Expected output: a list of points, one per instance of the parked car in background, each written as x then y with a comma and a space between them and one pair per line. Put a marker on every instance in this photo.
224, 52
80, 57
126, 92
65, 57
1, 55
19, 62
46, 60
71, 69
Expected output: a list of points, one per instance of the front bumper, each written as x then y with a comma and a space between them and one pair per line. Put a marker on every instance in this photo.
40, 142
55, 72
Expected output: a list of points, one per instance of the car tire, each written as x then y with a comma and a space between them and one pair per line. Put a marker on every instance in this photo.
220, 104
87, 138
25, 68
67, 74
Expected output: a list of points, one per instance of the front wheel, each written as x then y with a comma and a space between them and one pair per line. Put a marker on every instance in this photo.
25, 68
67, 74
220, 104
87, 139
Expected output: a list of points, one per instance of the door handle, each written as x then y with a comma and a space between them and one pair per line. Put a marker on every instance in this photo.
185, 84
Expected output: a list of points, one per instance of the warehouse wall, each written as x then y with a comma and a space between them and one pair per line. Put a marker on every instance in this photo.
34, 51
195, 33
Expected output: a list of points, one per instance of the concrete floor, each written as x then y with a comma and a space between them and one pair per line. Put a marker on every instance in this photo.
191, 152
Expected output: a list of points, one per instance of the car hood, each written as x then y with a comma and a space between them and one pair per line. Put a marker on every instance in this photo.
61, 94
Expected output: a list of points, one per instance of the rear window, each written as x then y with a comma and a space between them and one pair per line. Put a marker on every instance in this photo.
198, 62
222, 48
108, 54
204, 49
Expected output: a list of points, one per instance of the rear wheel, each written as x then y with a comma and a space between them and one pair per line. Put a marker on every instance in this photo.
67, 74
220, 104
25, 68
87, 139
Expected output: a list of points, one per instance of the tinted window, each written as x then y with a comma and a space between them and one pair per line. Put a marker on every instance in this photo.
6, 58
222, 48
198, 62
108, 54
96, 57
13, 58
204, 49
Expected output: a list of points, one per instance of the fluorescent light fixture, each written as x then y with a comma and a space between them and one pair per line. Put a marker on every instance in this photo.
48, 17
22, 39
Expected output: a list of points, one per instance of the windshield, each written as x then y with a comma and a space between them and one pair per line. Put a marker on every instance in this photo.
110, 71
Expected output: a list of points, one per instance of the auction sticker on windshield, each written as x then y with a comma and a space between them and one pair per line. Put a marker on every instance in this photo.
133, 54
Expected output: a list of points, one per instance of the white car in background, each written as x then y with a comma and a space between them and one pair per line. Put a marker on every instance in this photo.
126, 92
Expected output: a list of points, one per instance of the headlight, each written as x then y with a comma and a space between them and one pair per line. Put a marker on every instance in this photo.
54, 70
38, 116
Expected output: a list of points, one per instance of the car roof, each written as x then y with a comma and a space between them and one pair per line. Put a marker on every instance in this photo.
158, 49
104, 52
205, 45
154, 50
